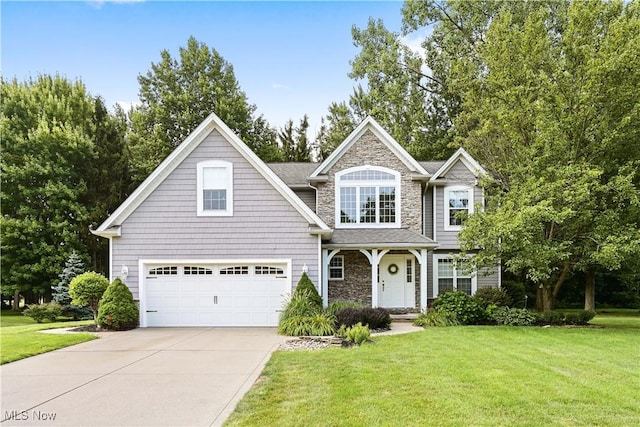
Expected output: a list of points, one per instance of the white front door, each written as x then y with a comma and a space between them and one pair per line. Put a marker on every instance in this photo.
396, 284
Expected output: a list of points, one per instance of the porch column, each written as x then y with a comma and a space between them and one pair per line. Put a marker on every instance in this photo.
325, 277
374, 258
326, 259
422, 259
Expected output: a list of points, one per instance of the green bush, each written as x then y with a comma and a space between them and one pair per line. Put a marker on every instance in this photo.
302, 313
436, 318
40, 312
516, 291
584, 316
317, 324
467, 309
86, 289
117, 309
494, 296
336, 306
513, 316
358, 334
551, 318
305, 285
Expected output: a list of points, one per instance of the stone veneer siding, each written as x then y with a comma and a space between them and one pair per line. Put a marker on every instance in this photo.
369, 150
356, 285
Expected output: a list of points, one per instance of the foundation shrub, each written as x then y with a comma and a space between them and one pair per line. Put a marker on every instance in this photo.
494, 296
336, 306
374, 318
467, 309
117, 310
584, 316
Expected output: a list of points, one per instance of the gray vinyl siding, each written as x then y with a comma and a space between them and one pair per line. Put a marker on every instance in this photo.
457, 175
428, 212
488, 278
308, 197
263, 226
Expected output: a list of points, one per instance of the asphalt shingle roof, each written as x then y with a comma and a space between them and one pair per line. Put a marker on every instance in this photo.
378, 238
293, 174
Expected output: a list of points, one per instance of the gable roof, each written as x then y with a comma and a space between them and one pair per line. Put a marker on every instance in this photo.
111, 227
370, 124
465, 158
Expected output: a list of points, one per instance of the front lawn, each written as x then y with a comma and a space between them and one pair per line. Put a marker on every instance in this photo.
19, 337
464, 375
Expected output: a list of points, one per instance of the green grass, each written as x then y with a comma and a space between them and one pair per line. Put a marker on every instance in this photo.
19, 337
458, 376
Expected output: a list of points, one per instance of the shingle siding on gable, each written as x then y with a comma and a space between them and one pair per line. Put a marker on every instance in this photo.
368, 150
263, 226
457, 175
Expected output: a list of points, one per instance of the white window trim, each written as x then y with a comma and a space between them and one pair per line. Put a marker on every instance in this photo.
373, 183
229, 187
447, 191
335, 268
436, 289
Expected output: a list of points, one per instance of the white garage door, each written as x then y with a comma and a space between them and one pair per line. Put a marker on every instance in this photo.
214, 295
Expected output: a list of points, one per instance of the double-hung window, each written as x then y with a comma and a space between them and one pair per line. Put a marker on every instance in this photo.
452, 275
367, 197
215, 188
336, 268
458, 204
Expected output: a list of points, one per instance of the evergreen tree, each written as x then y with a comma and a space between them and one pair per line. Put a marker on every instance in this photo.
72, 268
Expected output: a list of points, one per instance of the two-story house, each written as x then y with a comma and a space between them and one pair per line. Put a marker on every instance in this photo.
216, 237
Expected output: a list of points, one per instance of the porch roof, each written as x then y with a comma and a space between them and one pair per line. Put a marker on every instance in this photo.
378, 238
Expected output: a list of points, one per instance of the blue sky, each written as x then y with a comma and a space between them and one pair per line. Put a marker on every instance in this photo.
290, 58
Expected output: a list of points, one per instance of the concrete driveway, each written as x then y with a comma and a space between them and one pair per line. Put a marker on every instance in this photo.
144, 377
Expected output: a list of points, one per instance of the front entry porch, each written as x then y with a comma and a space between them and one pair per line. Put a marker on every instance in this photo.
376, 273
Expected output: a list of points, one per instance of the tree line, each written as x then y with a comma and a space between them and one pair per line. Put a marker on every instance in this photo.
545, 94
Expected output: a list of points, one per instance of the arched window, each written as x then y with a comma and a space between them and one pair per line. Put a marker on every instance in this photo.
367, 196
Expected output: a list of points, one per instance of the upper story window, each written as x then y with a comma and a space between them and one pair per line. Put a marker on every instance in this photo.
215, 188
452, 275
367, 196
458, 203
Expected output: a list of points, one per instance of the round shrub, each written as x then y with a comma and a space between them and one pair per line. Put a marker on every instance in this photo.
348, 316
375, 318
118, 311
513, 316
494, 296
467, 309
551, 318
86, 289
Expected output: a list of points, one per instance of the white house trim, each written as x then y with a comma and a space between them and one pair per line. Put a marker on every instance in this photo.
369, 124
182, 151
465, 158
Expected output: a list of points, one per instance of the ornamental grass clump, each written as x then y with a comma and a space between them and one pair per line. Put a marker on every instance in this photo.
436, 318
302, 314
117, 310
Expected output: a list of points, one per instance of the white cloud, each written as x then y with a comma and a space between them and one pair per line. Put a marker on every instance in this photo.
128, 105
414, 42
279, 86
99, 3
